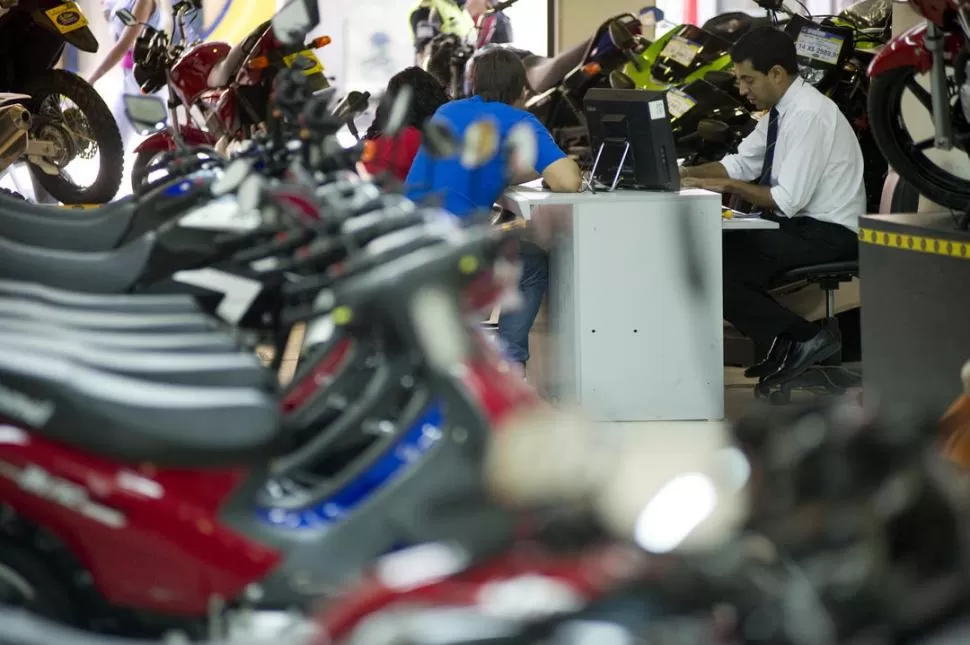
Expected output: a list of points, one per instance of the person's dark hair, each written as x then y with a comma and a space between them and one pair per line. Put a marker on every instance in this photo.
496, 74
427, 95
764, 47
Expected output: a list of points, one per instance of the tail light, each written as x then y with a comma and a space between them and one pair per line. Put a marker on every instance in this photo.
320, 41
592, 69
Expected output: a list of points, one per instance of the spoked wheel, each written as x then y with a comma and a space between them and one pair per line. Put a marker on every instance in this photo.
900, 107
83, 160
27, 582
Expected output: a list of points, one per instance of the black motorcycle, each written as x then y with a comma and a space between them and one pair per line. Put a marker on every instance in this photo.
43, 131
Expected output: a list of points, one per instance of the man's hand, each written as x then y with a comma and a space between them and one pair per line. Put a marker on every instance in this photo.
713, 185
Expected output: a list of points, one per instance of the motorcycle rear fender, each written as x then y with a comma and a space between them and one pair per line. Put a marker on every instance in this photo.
162, 141
908, 49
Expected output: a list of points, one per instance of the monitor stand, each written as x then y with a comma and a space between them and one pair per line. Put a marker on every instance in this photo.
619, 166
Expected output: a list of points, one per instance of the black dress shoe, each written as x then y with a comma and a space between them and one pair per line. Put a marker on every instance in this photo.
802, 355
771, 362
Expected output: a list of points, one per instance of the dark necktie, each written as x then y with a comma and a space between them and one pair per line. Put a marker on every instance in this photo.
770, 142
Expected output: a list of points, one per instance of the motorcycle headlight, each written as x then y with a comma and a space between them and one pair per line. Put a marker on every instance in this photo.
812, 76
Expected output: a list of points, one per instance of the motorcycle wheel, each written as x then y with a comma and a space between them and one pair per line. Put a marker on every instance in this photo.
103, 129
28, 583
139, 171
897, 145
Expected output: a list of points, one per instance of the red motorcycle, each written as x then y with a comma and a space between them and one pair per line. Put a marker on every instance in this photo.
229, 86
159, 509
936, 51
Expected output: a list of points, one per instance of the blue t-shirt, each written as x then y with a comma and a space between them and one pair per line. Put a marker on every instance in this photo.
467, 191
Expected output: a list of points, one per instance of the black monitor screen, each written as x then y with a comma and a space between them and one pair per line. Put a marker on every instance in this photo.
639, 118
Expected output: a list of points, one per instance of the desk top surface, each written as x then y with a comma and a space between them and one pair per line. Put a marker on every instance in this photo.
533, 194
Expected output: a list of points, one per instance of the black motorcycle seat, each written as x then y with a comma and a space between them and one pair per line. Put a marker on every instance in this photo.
96, 319
121, 303
544, 74
137, 421
152, 341
232, 369
93, 230
106, 272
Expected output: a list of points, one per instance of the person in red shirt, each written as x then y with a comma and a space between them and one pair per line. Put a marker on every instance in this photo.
395, 154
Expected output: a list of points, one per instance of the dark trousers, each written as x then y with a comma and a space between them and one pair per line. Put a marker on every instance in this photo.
753, 260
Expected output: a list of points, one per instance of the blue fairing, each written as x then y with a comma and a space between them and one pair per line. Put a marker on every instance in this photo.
411, 447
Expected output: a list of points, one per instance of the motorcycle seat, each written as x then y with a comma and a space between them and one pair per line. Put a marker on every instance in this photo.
114, 271
151, 341
95, 319
138, 421
232, 369
544, 74
123, 303
83, 232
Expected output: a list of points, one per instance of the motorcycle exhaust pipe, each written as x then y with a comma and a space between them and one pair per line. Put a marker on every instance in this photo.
14, 125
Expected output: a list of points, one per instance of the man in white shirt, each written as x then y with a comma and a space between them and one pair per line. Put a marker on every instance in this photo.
801, 165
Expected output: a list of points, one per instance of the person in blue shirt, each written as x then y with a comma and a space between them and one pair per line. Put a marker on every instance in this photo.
497, 87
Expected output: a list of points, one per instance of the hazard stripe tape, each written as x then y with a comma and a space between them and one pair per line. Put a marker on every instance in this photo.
918, 243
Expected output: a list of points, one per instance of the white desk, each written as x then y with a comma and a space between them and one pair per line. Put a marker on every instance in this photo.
631, 340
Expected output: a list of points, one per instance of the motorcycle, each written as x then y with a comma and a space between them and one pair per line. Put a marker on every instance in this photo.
229, 86
927, 63
39, 129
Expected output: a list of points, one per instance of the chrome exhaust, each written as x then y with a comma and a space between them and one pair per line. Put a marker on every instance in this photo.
14, 128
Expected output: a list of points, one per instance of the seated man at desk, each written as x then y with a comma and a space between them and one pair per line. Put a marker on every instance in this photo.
801, 166
497, 83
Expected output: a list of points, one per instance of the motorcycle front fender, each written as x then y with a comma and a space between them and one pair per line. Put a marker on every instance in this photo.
908, 49
163, 141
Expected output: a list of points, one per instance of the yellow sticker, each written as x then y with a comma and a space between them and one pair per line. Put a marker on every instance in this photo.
317, 67
67, 17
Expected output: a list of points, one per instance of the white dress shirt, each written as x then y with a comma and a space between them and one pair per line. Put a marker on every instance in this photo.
817, 167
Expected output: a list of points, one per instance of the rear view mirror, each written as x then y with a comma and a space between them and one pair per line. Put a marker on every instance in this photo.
480, 145
620, 81
713, 131
295, 20
397, 117
620, 36
521, 149
126, 17
439, 140
146, 113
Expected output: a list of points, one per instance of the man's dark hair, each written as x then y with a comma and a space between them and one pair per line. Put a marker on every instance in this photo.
497, 75
764, 47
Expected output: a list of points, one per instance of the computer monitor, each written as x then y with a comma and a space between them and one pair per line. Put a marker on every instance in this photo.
631, 139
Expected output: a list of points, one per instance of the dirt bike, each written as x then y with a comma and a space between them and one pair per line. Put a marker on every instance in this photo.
33, 34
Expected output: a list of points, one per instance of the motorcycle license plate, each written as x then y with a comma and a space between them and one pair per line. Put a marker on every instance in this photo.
680, 50
316, 66
678, 103
819, 45
67, 17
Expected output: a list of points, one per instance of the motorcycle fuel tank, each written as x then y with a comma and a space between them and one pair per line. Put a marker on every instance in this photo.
190, 75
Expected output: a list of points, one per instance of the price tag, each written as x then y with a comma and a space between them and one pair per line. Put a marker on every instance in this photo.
681, 50
678, 103
819, 45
